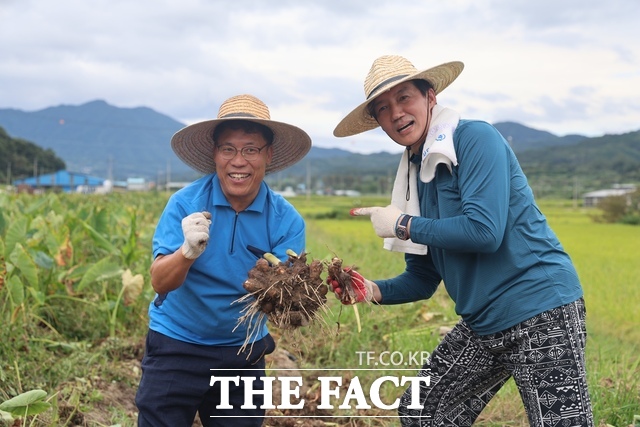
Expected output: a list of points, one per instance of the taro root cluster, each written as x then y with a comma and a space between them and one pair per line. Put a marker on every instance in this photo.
342, 276
289, 293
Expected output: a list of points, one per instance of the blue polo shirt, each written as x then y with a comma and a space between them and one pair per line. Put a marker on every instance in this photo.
488, 241
201, 310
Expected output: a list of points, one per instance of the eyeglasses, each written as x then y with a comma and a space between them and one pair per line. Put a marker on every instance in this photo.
250, 153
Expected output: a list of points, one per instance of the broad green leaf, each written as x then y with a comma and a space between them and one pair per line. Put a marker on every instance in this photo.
3, 224
16, 290
74, 274
36, 206
43, 260
23, 261
37, 295
100, 240
130, 246
23, 400
100, 220
16, 233
53, 202
102, 270
33, 409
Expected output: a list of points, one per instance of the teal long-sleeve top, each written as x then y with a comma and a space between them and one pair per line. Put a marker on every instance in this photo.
488, 241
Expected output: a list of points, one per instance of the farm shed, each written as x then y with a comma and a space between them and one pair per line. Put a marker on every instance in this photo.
62, 180
592, 198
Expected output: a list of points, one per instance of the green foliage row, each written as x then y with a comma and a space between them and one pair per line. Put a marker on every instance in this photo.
70, 266
623, 209
605, 256
73, 270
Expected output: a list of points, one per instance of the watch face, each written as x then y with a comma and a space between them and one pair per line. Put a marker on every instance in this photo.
401, 233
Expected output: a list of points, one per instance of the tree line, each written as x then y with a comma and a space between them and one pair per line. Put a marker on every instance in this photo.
20, 158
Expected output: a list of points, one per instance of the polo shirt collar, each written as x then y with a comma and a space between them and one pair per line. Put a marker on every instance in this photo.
218, 198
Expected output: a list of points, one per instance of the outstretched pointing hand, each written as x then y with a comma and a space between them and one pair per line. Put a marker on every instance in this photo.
384, 220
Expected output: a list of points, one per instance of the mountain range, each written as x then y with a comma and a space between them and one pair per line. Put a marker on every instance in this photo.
112, 142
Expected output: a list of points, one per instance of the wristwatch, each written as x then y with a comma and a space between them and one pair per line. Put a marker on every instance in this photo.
401, 228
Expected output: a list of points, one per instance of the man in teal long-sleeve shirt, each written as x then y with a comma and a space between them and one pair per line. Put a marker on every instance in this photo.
464, 215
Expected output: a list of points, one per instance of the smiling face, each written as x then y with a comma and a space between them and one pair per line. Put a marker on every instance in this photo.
240, 178
404, 113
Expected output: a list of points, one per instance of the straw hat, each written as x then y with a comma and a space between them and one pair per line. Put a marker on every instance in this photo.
386, 72
194, 144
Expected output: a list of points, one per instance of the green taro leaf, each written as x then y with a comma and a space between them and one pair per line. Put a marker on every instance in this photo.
3, 224
37, 295
102, 270
16, 290
100, 240
23, 261
43, 260
33, 409
17, 232
100, 221
27, 403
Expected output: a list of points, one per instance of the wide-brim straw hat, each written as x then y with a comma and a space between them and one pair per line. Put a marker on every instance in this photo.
194, 143
386, 72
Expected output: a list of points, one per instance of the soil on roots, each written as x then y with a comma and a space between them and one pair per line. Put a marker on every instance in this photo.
344, 280
289, 294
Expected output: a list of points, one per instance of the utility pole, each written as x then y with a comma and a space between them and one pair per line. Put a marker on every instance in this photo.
110, 169
308, 180
35, 172
167, 185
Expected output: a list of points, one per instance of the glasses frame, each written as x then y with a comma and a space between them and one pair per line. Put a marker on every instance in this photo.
241, 151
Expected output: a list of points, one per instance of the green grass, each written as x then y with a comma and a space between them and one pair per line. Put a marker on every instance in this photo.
83, 356
605, 255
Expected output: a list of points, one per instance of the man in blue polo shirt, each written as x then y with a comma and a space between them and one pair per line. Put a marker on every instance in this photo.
209, 236
462, 212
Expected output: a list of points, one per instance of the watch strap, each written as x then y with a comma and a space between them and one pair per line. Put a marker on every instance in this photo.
402, 222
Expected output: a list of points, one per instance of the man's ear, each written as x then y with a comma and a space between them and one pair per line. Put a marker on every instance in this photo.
269, 154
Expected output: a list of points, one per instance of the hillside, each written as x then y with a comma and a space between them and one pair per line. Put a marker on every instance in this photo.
101, 139
19, 158
591, 164
523, 138
105, 140
555, 166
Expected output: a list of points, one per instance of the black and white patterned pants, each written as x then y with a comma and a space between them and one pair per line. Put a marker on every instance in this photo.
545, 355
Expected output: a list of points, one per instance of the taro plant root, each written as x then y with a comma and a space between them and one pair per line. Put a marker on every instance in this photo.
289, 294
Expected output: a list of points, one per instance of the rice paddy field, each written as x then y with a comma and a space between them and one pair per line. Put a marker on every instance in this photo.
74, 288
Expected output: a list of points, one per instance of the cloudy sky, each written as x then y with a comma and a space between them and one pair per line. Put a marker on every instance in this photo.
569, 66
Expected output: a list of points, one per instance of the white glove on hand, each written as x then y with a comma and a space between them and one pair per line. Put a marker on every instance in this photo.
384, 220
195, 228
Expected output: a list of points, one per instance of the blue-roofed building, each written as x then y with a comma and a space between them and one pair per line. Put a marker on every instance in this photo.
64, 181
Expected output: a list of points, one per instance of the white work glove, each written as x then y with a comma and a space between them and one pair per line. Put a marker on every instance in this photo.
195, 228
384, 220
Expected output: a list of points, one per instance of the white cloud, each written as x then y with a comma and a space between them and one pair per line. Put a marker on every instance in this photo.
566, 67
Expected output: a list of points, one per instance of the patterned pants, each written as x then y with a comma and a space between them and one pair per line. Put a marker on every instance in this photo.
545, 355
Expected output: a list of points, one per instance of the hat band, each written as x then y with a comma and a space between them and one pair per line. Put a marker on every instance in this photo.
238, 115
386, 82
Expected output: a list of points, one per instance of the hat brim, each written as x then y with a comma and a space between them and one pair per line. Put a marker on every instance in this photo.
194, 144
359, 120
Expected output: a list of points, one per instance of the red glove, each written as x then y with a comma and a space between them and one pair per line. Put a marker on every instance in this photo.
361, 288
